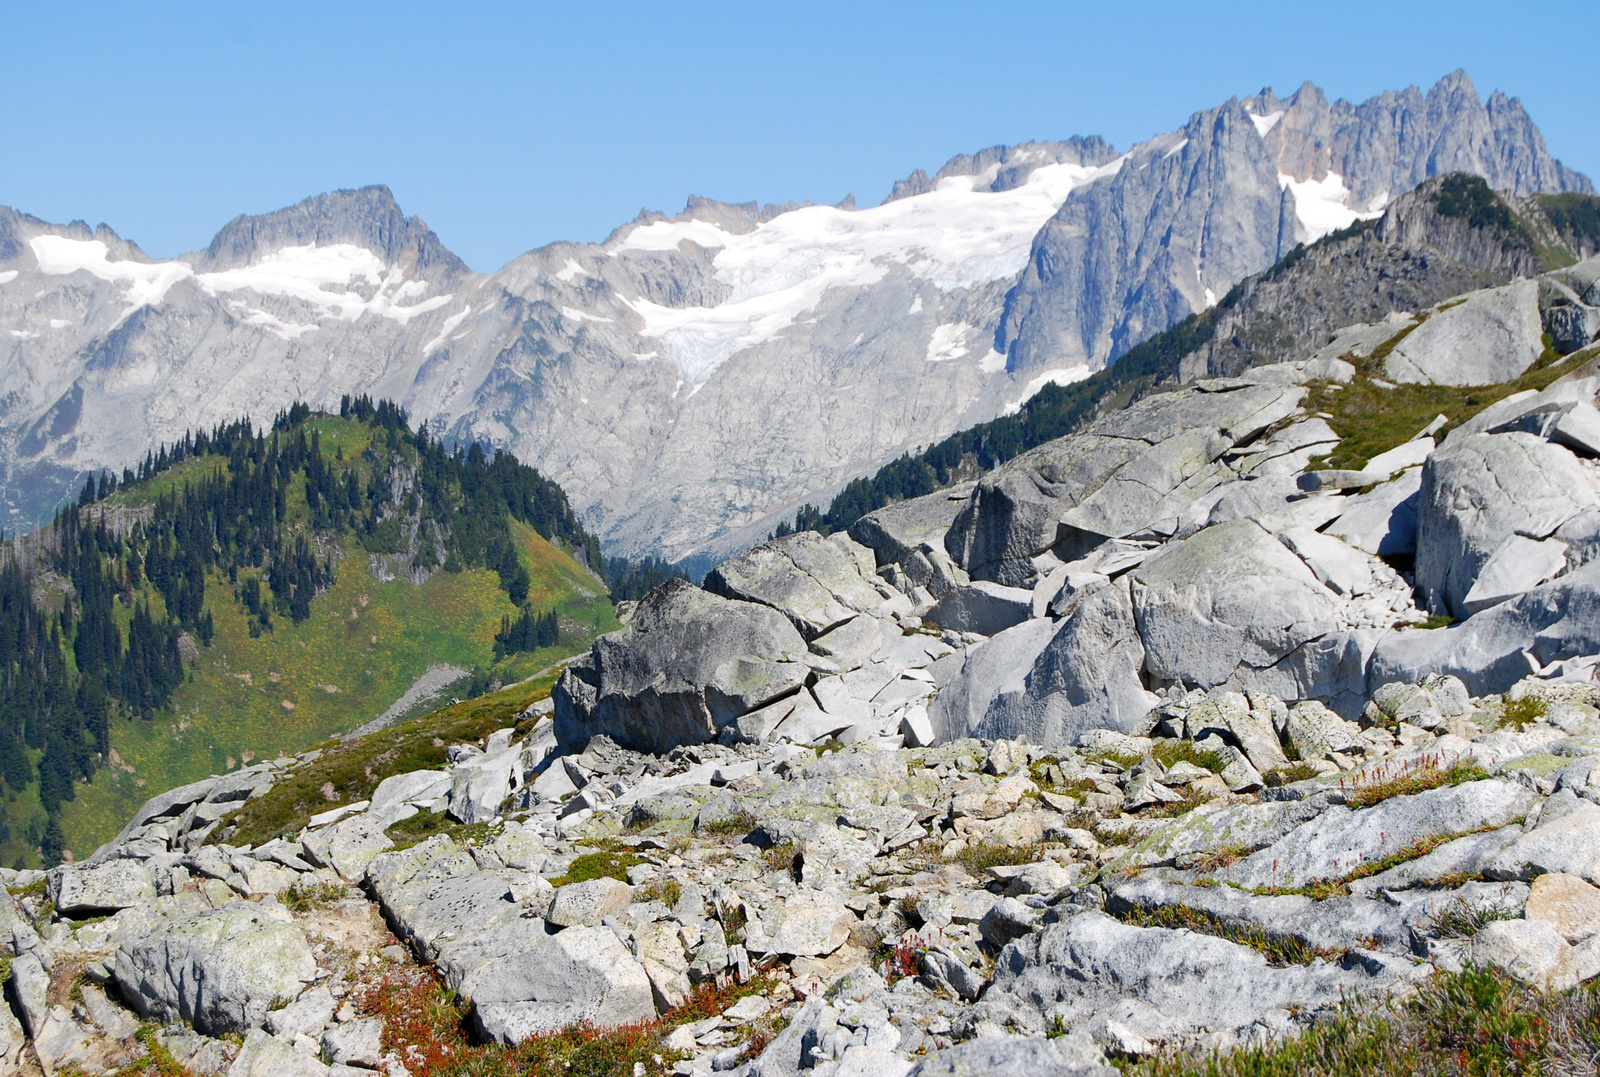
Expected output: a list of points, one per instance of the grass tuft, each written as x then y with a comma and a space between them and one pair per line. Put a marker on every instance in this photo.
1469, 1024
1279, 952
1519, 712
308, 896
1170, 752
606, 864
1416, 776
1294, 772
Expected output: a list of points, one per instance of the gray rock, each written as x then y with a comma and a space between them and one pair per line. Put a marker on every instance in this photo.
1006, 920
1007, 1056
982, 607
28, 987
480, 786
1566, 839
588, 902
355, 1043
816, 582
801, 926
390, 798
1315, 731
1481, 492
1160, 985
1340, 840
896, 531
99, 888
1491, 651
1489, 338
263, 1056
1529, 950
347, 846
689, 664
946, 971
581, 975
220, 970
1052, 682
1228, 596
307, 1015
1383, 521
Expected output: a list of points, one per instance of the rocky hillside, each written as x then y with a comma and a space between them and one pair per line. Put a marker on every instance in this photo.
693, 380
1162, 739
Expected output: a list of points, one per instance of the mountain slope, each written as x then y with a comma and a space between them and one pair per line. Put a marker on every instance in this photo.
692, 380
249, 593
1450, 236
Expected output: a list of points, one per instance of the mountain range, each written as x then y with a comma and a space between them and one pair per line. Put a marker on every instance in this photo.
693, 379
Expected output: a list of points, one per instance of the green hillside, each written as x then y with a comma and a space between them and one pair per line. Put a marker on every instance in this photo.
249, 593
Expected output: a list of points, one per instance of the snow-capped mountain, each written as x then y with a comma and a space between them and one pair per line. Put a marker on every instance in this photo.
693, 379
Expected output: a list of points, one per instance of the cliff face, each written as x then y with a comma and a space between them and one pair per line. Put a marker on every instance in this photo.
1234, 191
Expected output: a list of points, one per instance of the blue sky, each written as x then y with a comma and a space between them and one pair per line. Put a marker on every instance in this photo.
509, 126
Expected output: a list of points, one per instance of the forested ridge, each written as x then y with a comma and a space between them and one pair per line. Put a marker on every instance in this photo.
102, 611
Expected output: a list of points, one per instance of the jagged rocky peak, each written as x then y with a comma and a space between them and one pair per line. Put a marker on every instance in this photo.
1003, 168
368, 217
1244, 183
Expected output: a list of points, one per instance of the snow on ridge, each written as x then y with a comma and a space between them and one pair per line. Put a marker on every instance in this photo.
1063, 376
954, 237
572, 269
1265, 124
147, 282
8, 276
305, 273
1323, 206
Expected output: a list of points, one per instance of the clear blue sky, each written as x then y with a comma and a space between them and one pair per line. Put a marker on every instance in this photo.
509, 126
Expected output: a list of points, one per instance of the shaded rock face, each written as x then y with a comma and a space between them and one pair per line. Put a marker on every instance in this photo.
1052, 682
688, 664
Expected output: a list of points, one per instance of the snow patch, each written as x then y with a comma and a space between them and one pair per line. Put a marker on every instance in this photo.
1211, 299
954, 237
59, 323
579, 316
1265, 123
1323, 206
1174, 151
304, 273
992, 362
446, 329
8, 276
571, 270
23, 334
916, 306
949, 342
645, 357
1064, 376
147, 281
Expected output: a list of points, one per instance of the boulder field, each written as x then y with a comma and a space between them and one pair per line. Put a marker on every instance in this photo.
1154, 738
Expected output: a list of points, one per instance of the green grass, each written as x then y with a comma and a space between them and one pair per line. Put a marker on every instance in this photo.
605, 864
1294, 772
980, 856
361, 649
425, 824
306, 896
1339, 886
1169, 752
1471, 1024
1519, 712
354, 768
1370, 419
